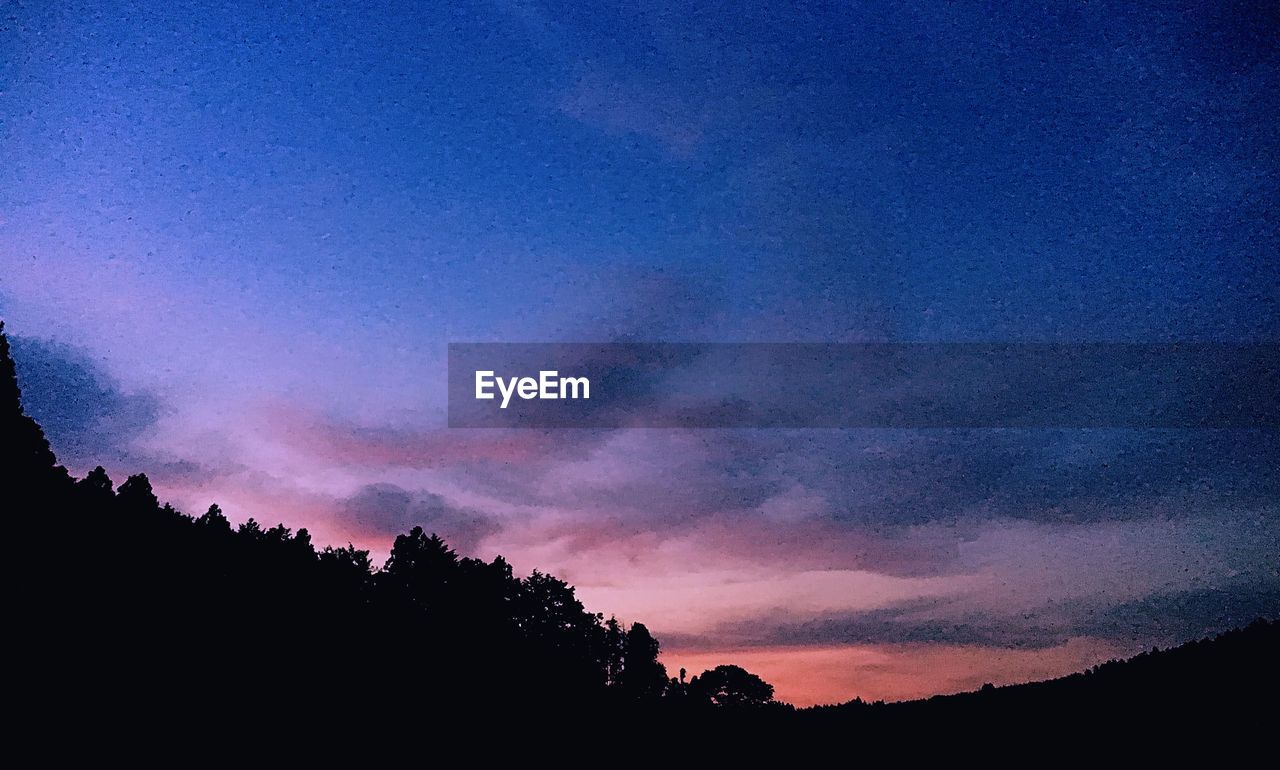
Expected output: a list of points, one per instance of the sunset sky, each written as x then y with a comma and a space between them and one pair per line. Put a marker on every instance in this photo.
235, 242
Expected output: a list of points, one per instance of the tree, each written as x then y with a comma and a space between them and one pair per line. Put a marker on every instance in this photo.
96, 487
136, 494
558, 627
26, 461
615, 650
350, 560
642, 677
421, 568
214, 519
731, 686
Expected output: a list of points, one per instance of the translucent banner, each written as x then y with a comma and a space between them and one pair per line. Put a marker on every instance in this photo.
862, 385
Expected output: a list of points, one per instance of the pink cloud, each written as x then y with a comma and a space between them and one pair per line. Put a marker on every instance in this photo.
355, 445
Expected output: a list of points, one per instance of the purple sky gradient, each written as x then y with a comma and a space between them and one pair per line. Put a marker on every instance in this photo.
234, 247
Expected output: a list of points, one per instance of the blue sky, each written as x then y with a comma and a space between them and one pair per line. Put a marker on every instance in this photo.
255, 226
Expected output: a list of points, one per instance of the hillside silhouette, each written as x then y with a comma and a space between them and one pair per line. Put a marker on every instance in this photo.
127, 611
1232, 674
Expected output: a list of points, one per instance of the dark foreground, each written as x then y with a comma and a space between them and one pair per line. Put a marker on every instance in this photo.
132, 624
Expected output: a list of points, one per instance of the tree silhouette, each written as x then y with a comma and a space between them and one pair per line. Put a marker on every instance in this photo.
615, 651
642, 676
96, 487
214, 520
732, 686
26, 460
136, 495
421, 569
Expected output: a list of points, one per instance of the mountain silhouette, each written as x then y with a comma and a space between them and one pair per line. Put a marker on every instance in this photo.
129, 615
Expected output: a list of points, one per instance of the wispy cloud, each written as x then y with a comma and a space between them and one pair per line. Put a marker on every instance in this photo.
623, 108
386, 509
85, 413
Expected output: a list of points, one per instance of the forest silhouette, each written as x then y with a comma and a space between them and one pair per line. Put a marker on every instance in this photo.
121, 599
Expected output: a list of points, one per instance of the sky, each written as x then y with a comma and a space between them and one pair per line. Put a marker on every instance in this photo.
236, 239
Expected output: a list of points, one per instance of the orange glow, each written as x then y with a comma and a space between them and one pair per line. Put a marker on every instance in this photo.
805, 676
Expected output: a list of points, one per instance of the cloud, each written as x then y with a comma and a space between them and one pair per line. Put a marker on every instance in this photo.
1066, 476
86, 414
892, 478
895, 501
387, 509
1163, 617
1175, 616
621, 108
380, 446
931, 621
